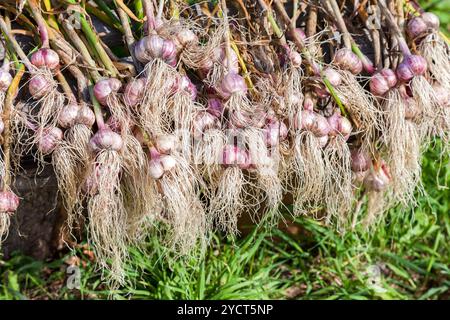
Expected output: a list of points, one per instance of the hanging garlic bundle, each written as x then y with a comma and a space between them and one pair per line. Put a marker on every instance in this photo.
9, 201
411, 71
424, 29
42, 65
106, 211
209, 140
338, 192
71, 158
106, 92
308, 161
210, 117
179, 189
228, 198
160, 56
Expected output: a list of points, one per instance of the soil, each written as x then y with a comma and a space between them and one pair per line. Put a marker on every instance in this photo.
36, 226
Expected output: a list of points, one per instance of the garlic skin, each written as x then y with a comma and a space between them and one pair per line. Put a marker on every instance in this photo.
231, 84
360, 160
321, 126
168, 162
416, 27
339, 125
333, 76
185, 37
308, 103
274, 133
215, 107
155, 169
304, 119
166, 143
45, 58
295, 58
85, 116
203, 122
106, 139
234, 156
382, 82
5, 80
49, 138
442, 95
185, 84
411, 108
411, 66
313, 122
68, 116
347, 60
155, 47
39, 86
378, 179
9, 202
219, 57
234, 65
323, 141
431, 20
140, 51
106, 88
134, 92
2, 126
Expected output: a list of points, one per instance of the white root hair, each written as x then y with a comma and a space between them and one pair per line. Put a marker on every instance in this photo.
338, 188
292, 86
182, 113
66, 167
377, 204
362, 107
197, 56
430, 110
153, 110
107, 216
4, 226
239, 104
21, 142
403, 149
228, 202
435, 50
118, 111
266, 167
70, 160
139, 191
310, 167
183, 210
46, 109
2, 99
207, 154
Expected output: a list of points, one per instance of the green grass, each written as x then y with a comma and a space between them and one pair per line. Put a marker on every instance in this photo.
410, 250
